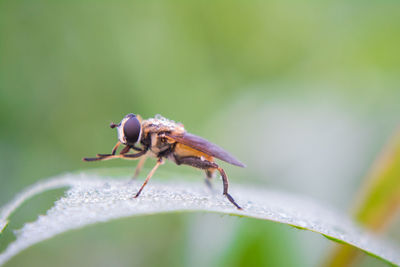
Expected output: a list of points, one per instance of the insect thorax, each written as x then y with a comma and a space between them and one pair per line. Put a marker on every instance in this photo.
160, 124
152, 128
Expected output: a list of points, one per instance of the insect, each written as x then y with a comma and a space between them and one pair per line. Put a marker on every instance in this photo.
163, 139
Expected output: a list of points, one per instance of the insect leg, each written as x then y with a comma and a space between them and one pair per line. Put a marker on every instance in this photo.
209, 176
136, 148
159, 162
115, 148
113, 151
139, 167
121, 156
125, 150
208, 165
226, 184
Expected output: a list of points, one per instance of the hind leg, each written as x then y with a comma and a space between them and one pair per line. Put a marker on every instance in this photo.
211, 167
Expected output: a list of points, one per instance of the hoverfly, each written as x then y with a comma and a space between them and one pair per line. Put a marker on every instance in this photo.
165, 139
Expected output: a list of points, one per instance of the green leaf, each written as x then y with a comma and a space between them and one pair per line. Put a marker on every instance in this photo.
93, 198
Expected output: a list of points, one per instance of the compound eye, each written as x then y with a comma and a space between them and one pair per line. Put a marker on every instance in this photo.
132, 130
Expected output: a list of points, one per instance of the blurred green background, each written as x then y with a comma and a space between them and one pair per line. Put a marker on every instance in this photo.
305, 94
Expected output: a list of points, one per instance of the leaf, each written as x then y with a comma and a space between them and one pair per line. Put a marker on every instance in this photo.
92, 198
379, 200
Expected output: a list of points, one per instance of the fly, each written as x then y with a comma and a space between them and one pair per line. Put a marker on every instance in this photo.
165, 139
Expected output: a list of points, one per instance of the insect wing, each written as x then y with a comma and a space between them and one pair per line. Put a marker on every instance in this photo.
206, 147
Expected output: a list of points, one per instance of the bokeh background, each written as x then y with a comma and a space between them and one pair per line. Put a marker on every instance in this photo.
305, 94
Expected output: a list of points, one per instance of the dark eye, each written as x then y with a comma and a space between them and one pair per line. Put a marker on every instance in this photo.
132, 130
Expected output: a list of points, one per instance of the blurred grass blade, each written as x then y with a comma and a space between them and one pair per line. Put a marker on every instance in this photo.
92, 199
379, 200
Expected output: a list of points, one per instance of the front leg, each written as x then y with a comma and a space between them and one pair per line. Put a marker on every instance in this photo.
121, 156
123, 151
115, 148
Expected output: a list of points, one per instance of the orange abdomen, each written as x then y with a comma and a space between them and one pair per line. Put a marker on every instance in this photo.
182, 150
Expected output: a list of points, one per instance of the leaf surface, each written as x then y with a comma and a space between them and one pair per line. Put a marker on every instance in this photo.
92, 198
